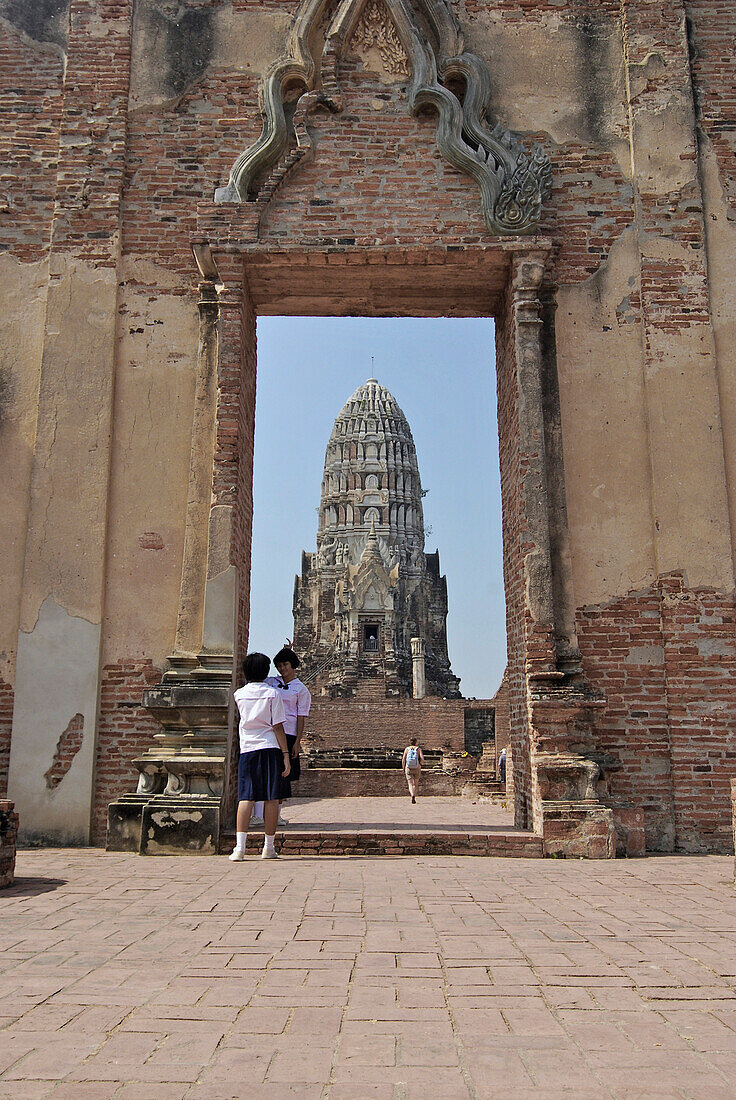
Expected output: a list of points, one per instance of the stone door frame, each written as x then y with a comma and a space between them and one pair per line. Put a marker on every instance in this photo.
507, 280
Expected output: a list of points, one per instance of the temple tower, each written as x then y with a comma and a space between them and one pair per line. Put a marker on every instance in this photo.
370, 588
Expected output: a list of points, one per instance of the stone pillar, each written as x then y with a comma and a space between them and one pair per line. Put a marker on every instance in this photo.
418, 651
182, 778
553, 768
58, 665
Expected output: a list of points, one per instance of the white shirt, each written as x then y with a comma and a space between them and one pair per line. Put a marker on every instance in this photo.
296, 700
260, 709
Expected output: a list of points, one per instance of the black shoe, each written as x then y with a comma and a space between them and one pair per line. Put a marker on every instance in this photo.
413, 799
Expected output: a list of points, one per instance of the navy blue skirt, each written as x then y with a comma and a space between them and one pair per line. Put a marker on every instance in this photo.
295, 772
259, 775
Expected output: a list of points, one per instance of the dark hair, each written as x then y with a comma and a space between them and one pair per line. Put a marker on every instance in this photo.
255, 667
413, 741
285, 655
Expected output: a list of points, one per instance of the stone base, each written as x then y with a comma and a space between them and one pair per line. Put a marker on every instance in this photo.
578, 830
164, 825
8, 838
628, 822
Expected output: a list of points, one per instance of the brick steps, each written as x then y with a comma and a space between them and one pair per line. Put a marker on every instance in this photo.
396, 841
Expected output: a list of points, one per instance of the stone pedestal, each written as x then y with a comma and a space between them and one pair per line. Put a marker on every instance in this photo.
176, 807
8, 837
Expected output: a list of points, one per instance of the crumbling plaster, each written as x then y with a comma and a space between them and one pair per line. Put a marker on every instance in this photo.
574, 90
149, 468
168, 56
602, 403
720, 237
47, 696
68, 507
23, 294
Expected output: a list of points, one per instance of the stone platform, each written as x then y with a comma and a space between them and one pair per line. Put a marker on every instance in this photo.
393, 826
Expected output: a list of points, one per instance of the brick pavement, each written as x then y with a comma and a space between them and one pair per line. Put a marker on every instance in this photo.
165, 978
435, 812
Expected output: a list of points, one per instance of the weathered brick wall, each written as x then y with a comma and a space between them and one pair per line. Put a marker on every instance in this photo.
623, 654
372, 782
32, 62
700, 664
666, 661
508, 402
6, 725
126, 729
711, 27
134, 165
379, 723
8, 836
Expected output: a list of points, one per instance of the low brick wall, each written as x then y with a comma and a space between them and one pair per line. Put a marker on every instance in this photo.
8, 837
376, 782
352, 842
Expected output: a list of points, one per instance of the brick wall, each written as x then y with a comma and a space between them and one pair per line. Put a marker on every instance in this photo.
372, 782
8, 836
623, 654
126, 729
712, 27
379, 723
700, 665
666, 660
31, 99
6, 725
508, 431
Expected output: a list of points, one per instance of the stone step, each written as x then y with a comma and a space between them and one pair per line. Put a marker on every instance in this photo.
339, 840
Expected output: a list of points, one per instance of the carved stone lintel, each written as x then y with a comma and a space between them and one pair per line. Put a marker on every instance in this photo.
513, 182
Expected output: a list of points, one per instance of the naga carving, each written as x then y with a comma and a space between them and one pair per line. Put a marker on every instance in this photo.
513, 181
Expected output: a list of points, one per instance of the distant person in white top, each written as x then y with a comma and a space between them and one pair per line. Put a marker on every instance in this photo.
297, 701
411, 762
264, 754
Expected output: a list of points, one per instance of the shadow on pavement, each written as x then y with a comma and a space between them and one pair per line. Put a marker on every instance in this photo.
30, 886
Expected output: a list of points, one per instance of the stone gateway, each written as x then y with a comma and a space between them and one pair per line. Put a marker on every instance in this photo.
172, 171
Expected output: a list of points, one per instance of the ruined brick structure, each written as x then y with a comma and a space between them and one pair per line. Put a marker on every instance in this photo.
565, 168
370, 587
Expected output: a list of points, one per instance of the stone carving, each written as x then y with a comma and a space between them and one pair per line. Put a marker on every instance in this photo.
376, 31
513, 182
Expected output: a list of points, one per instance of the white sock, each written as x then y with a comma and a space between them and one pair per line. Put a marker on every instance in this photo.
268, 842
240, 841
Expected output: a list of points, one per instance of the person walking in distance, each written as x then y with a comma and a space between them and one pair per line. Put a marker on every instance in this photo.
264, 754
297, 700
411, 762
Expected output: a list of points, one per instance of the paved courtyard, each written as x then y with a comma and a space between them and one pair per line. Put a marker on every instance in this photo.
433, 812
164, 978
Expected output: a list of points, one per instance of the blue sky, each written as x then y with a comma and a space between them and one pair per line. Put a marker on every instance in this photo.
442, 373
